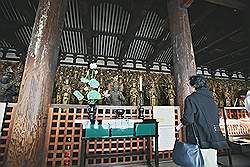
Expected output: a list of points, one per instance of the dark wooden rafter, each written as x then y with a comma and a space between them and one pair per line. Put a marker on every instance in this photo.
232, 57
203, 15
198, 28
10, 27
225, 56
159, 7
243, 66
119, 36
186, 3
234, 64
246, 28
85, 13
159, 46
224, 37
211, 34
11, 38
7, 30
137, 15
235, 4
236, 57
25, 10
246, 71
122, 37
219, 53
12, 24
243, 61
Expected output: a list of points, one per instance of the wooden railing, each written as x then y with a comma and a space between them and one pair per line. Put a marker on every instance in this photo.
6, 130
63, 137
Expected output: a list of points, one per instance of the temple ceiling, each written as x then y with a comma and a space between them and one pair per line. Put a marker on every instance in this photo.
129, 32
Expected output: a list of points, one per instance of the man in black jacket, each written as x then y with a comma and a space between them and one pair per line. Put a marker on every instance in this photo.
201, 111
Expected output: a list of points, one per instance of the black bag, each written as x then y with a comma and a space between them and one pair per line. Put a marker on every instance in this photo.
189, 155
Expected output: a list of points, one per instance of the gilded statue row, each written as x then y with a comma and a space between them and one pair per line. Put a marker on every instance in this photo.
225, 92
10, 79
158, 88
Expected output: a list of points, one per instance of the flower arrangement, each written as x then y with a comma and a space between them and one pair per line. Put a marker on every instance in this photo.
91, 94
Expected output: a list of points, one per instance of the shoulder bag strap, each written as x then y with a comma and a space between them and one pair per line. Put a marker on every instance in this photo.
196, 138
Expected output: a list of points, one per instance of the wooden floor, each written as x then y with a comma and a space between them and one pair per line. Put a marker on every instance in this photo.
239, 160
162, 164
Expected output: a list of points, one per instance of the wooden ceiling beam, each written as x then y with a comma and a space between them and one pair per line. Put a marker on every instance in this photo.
187, 3
230, 58
240, 63
235, 4
203, 15
85, 13
159, 46
226, 36
7, 32
246, 72
123, 37
137, 14
119, 36
235, 63
230, 53
243, 67
6, 25
11, 38
25, 10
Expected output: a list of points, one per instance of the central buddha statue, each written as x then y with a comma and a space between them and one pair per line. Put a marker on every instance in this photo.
116, 97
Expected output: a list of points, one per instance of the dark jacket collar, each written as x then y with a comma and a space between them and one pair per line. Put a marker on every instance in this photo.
204, 92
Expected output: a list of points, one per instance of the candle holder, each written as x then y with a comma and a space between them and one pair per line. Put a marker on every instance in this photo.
92, 112
141, 109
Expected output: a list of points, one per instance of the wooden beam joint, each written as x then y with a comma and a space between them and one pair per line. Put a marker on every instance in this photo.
186, 3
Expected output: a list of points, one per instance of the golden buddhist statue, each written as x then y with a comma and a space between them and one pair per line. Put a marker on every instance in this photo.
228, 98
66, 92
134, 95
153, 95
215, 96
171, 95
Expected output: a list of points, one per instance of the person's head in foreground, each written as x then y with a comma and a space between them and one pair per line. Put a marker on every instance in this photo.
197, 82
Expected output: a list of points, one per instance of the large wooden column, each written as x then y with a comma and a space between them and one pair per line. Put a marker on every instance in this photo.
26, 147
183, 55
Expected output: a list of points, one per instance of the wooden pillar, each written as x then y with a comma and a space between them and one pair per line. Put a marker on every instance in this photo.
183, 55
26, 147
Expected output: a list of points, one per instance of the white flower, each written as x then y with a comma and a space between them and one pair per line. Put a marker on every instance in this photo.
96, 72
93, 66
106, 93
86, 88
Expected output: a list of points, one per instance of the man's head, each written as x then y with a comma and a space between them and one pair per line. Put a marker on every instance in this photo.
198, 81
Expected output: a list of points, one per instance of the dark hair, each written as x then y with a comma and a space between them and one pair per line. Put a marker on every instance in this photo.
198, 81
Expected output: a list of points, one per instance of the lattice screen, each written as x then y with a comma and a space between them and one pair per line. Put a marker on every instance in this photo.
237, 121
6, 129
64, 144
63, 136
